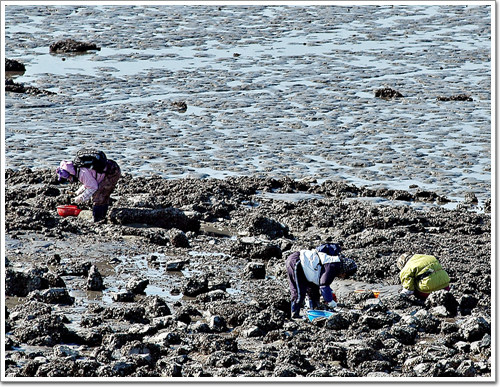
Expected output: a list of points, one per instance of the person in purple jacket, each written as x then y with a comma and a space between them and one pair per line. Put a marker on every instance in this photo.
310, 272
95, 186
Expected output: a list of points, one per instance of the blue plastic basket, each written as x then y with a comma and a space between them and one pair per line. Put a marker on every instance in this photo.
314, 314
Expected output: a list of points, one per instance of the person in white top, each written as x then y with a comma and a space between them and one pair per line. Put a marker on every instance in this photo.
310, 272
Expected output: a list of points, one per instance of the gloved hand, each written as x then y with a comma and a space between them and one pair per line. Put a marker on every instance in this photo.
332, 304
77, 199
406, 292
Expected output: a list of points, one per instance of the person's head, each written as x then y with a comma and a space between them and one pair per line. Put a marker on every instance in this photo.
65, 171
349, 267
403, 258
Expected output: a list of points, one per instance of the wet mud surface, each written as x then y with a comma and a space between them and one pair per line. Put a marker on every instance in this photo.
270, 91
186, 278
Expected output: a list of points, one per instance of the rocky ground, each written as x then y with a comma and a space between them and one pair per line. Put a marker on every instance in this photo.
186, 278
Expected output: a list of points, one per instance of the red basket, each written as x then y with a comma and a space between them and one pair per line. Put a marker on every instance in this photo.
68, 210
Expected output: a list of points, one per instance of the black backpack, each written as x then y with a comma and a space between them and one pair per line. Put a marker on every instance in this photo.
91, 159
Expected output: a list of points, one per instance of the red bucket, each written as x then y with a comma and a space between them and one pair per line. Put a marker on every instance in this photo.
68, 210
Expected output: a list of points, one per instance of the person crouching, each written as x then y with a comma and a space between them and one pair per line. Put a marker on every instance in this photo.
421, 275
311, 272
95, 186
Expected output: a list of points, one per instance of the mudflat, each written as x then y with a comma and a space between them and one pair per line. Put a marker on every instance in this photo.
186, 278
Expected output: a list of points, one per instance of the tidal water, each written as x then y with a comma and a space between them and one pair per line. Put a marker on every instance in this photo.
271, 90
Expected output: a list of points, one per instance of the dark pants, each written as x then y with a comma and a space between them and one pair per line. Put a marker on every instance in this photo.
299, 285
103, 193
423, 295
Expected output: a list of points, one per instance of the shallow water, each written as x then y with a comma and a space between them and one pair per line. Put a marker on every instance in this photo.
271, 90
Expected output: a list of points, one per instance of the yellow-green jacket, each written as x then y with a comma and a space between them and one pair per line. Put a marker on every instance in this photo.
424, 274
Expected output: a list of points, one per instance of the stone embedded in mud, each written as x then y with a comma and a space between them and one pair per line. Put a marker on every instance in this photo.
212, 342
458, 97
466, 304
474, 328
178, 238
213, 295
176, 265
14, 87
70, 45
253, 331
255, 270
262, 225
65, 351
443, 298
161, 217
155, 306
180, 106
424, 321
337, 322
195, 286
21, 283
14, 65
404, 334
137, 285
377, 321
94, 279
52, 296
217, 324
46, 329
388, 93
123, 297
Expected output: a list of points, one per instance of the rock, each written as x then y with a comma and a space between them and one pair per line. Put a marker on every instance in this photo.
65, 351
70, 45
14, 87
425, 321
14, 65
45, 330
262, 225
195, 286
458, 97
94, 280
217, 324
474, 328
52, 296
176, 265
178, 238
123, 297
137, 285
253, 331
337, 322
466, 369
470, 198
466, 304
155, 306
443, 298
167, 218
388, 93
357, 355
180, 106
404, 334
22, 283
255, 270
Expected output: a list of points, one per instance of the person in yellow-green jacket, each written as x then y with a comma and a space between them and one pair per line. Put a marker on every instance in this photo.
421, 275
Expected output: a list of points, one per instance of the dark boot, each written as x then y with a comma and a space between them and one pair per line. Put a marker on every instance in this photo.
99, 212
295, 310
